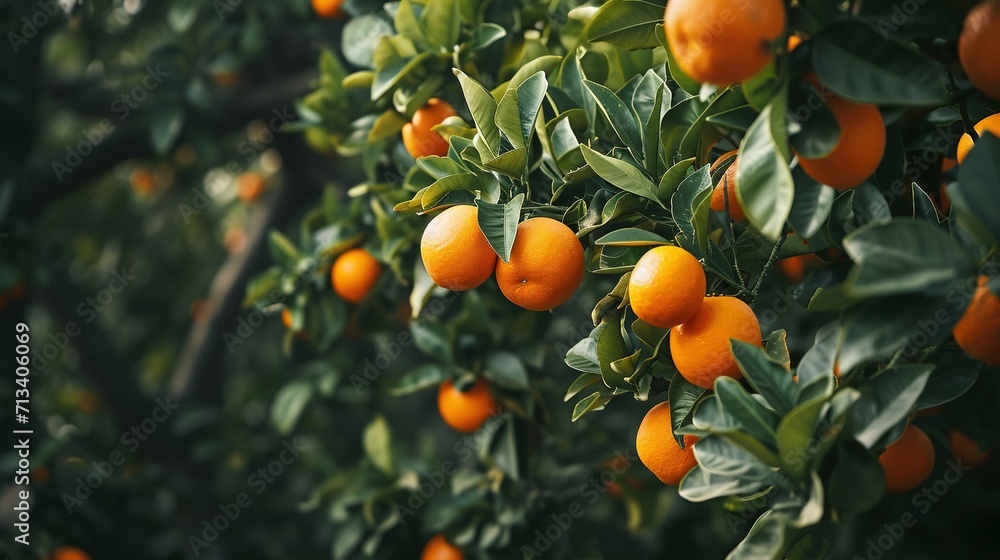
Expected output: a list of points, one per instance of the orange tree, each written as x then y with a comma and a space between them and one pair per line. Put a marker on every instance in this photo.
843, 118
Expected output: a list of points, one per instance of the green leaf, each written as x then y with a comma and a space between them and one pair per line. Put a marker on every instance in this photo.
506, 370
717, 455
857, 482
818, 361
282, 249
976, 193
628, 24
483, 108
632, 237
610, 348
580, 383
620, 174
887, 400
797, 437
443, 23
954, 374
165, 127
432, 339
758, 421
485, 34
289, 403
766, 540
499, 224
905, 256
811, 204
377, 441
583, 356
700, 485
858, 62
690, 206
360, 38
590, 403
671, 180
683, 395
618, 116
518, 109
766, 188
767, 377
422, 377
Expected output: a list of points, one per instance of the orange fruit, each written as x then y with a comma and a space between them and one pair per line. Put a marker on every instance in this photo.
726, 190
328, 9
249, 187
908, 461
723, 41
455, 252
658, 450
67, 553
794, 268
990, 124
466, 411
700, 346
438, 548
354, 274
545, 267
947, 164
793, 43
667, 286
858, 151
967, 449
142, 181
978, 331
978, 45
418, 138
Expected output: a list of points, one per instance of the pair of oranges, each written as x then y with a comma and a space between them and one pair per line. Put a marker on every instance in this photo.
667, 290
909, 460
546, 262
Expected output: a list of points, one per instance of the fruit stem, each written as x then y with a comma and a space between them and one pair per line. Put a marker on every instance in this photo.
770, 264
963, 108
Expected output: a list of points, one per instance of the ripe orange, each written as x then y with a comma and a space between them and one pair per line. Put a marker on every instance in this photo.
978, 45
249, 187
794, 268
726, 189
978, 331
67, 553
723, 41
700, 346
354, 274
667, 286
990, 124
466, 412
793, 43
329, 9
455, 252
658, 450
438, 548
908, 461
545, 267
858, 151
418, 138
967, 449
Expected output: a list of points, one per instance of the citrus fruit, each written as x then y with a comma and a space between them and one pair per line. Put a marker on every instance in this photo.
545, 266
859, 150
990, 124
723, 41
455, 252
418, 138
658, 450
794, 268
354, 274
142, 181
286, 319
978, 331
967, 449
438, 548
667, 286
978, 45
908, 461
724, 194
249, 187
68, 553
466, 411
699, 346
328, 9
